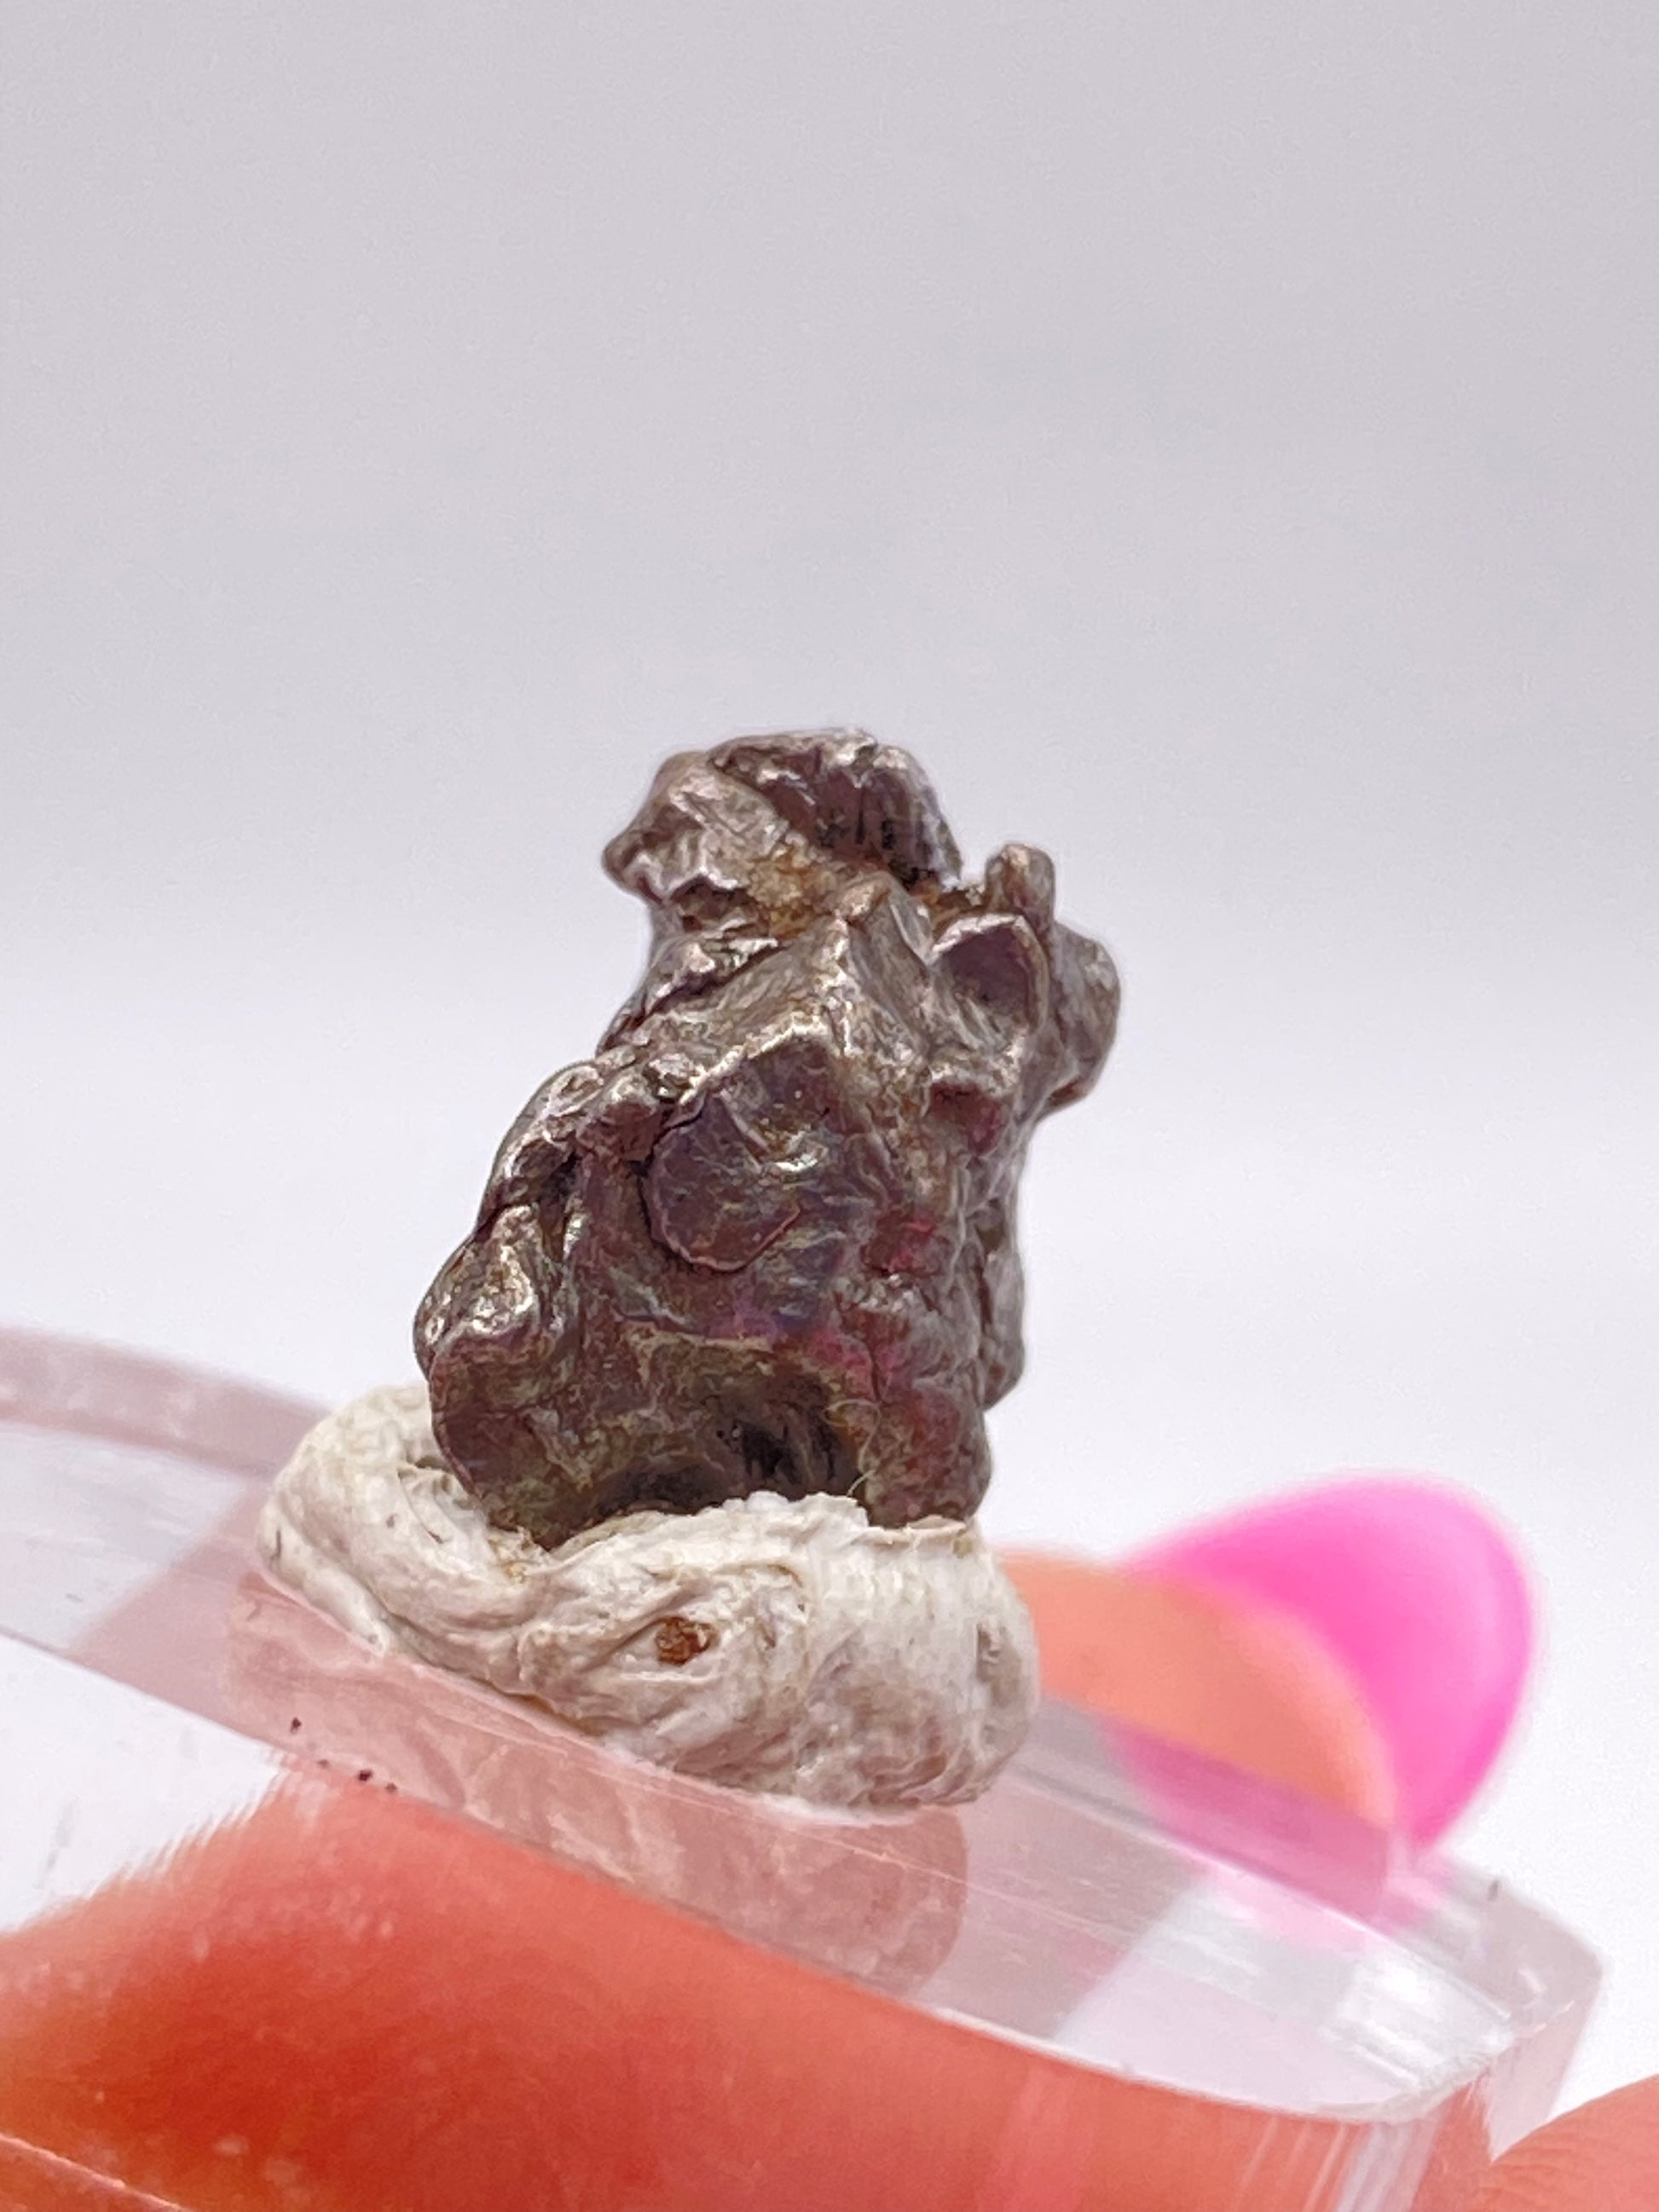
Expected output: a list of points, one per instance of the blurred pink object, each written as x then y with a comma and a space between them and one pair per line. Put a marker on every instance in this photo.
1414, 1591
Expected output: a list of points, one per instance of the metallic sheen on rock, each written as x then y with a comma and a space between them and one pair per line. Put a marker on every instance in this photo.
764, 1239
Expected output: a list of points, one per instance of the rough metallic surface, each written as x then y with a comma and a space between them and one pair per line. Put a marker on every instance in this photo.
764, 1240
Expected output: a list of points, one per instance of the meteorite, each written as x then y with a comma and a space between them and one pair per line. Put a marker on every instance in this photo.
702, 1433
764, 1239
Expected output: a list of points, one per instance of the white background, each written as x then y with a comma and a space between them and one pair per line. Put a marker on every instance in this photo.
1220, 441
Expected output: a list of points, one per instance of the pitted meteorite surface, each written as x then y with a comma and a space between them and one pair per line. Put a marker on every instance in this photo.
764, 1239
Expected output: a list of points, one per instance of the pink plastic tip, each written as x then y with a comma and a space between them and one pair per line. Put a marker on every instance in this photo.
1418, 1595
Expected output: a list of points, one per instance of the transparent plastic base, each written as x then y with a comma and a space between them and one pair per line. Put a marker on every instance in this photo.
283, 1923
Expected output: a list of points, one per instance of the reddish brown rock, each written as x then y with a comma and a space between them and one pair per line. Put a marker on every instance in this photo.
765, 1239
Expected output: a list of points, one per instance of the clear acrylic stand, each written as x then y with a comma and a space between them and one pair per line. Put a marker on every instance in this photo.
285, 1924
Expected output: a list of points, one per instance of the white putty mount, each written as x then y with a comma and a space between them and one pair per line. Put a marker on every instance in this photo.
770, 1644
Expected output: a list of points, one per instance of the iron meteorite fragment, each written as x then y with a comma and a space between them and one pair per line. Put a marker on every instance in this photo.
764, 1239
